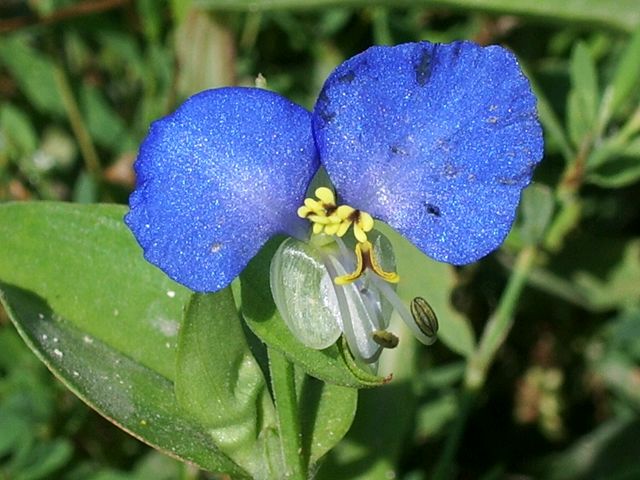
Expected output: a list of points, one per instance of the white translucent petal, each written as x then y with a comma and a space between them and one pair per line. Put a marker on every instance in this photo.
302, 290
358, 324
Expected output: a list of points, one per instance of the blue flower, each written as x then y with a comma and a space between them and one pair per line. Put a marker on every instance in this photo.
437, 140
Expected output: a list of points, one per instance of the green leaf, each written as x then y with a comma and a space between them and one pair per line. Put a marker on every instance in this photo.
536, 210
34, 73
102, 319
622, 15
420, 276
625, 79
220, 384
583, 99
326, 414
264, 320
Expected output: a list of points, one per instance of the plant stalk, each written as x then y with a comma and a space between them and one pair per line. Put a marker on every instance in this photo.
500, 323
285, 399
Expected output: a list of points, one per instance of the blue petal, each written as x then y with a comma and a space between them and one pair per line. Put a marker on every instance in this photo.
216, 179
436, 140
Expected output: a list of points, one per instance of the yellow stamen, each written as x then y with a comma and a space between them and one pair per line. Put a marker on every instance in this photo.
366, 259
372, 263
330, 219
357, 273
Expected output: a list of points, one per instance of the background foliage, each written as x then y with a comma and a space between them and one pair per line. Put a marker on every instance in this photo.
80, 81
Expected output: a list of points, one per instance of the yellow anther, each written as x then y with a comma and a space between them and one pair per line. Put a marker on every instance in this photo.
326, 195
366, 222
366, 259
344, 212
344, 227
332, 228
304, 211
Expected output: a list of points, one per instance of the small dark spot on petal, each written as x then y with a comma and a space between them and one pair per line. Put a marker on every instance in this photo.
326, 115
347, 77
432, 209
423, 68
450, 171
457, 49
216, 247
398, 150
323, 107
492, 120
507, 181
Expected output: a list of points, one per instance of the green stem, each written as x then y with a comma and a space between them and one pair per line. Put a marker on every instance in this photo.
284, 393
501, 321
80, 131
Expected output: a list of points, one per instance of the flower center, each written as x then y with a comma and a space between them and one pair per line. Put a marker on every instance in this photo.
330, 219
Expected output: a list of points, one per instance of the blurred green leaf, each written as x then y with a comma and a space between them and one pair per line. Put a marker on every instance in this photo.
151, 17
43, 460
584, 96
536, 210
582, 100
611, 451
205, 51
101, 318
553, 128
220, 385
436, 413
33, 71
600, 273
620, 373
622, 15
179, 9
16, 132
615, 166
421, 276
262, 317
625, 79
106, 127
625, 334
85, 189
